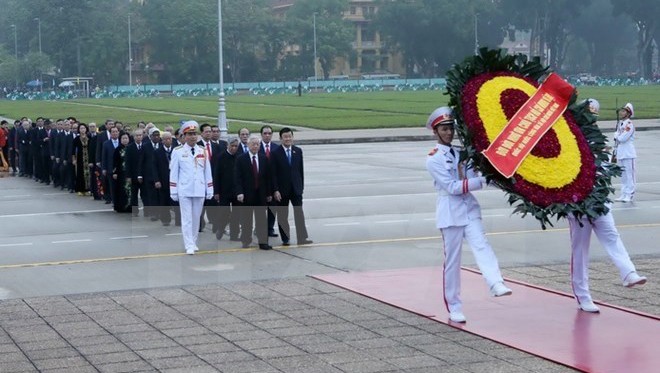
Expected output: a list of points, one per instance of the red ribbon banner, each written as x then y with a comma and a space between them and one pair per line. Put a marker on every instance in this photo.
528, 125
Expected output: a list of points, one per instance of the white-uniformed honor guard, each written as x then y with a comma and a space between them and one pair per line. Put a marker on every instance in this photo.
191, 181
609, 238
624, 139
458, 214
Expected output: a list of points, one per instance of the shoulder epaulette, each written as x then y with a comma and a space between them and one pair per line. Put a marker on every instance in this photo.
433, 151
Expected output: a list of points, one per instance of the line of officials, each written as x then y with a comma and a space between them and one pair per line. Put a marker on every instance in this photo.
117, 164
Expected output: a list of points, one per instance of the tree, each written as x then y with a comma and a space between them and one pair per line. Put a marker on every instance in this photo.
432, 34
605, 33
547, 20
333, 33
646, 15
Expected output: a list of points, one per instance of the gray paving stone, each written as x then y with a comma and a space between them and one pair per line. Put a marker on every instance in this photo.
245, 335
126, 367
277, 352
113, 357
494, 367
199, 339
252, 366
325, 347
185, 332
52, 353
28, 336
63, 362
42, 345
227, 356
196, 369
19, 366
103, 348
290, 331
205, 349
9, 348
177, 362
63, 319
348, 356
138, 345
12, 357
80, 369
416, 361
165, 352
309, 339
371, 366
252, 344
130, 328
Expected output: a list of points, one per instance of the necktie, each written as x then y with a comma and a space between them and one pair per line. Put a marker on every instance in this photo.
115, 143
451, 150
192, 150
267, 150
255, 172
169, 154
208, 148
288, 155
139, 146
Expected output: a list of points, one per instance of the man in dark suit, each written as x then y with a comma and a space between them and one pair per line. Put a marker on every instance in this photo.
253, 191
150, 145
135, 157
45, 136
213, 150
107, 159
224, 192
37, 135
25, 166
243, 135
101, 138
266, 148
288, 185
65, 153
56, 162
162, 157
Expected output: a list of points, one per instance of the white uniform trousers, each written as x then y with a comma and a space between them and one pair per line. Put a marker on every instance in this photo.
628, 178
452, 237
191, 210
609, 238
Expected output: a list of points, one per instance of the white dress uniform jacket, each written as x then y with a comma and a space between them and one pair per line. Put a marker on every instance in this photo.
190, 175
455, 204
625, 139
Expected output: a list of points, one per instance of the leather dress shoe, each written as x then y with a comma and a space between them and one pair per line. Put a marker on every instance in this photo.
218, 234
265, 246
589, 306
272, 234
245, 245
457, 316
499, 290
285, 243
633, 279
306, 241
190, 251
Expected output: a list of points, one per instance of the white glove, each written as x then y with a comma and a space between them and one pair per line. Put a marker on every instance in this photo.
175, 197
209, 196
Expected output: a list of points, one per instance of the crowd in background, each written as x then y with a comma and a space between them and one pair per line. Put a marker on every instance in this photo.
122, 166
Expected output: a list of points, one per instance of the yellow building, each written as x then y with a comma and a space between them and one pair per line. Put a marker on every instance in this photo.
371, 55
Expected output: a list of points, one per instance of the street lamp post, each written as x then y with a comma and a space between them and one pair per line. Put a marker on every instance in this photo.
476, 39
16, 52
41, 82
315, 78
222, 111
130, 55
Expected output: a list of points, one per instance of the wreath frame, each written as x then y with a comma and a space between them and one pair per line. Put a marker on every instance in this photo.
496, 60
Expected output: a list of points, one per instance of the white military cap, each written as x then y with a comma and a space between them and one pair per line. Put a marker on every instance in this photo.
189, 126
152, 130
630, 109
594, 106
441, 115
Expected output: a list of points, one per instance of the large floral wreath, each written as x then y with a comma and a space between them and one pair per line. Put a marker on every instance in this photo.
567, 171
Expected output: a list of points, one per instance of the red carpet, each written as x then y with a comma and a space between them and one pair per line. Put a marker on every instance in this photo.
535, 320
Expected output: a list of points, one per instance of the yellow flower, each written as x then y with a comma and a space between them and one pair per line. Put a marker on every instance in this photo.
554, 172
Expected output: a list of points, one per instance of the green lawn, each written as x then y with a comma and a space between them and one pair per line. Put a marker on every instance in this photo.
318, 110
